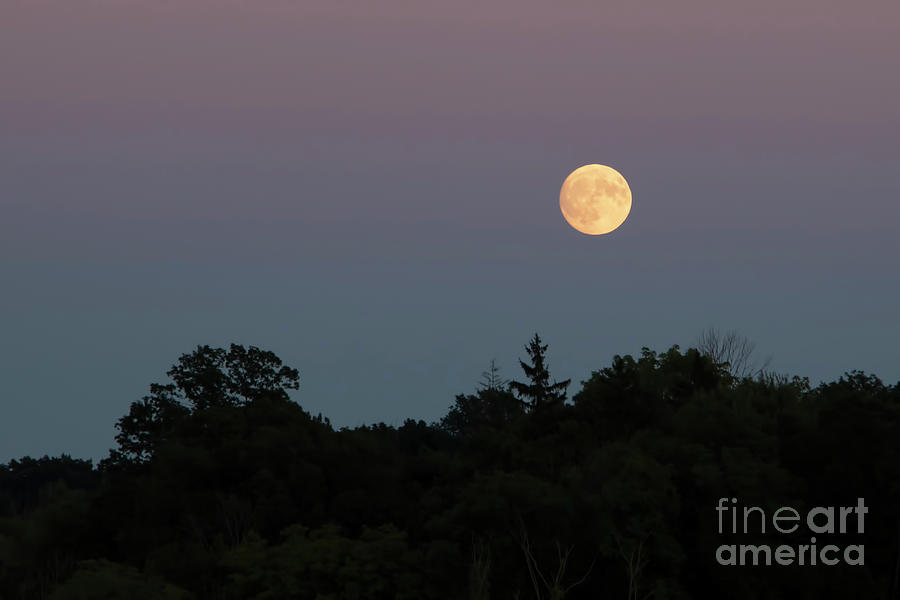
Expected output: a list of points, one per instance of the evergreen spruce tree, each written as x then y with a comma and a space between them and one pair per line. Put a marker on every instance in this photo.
540, 392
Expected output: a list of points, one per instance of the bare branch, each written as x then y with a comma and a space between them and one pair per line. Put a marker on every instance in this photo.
556, 589
491, 379
731, 350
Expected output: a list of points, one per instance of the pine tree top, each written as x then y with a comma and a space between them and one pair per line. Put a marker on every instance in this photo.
539, 392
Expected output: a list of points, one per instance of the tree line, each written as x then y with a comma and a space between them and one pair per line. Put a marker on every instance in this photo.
221, 487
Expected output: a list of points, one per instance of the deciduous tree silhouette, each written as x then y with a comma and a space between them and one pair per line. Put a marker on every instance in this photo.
733, 350
539, 392
206, 378
493, 405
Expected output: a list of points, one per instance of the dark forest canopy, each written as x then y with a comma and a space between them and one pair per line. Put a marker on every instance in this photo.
221, 487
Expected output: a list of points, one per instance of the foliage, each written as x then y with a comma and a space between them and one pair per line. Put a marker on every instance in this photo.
206, 378
102, 579
221, 487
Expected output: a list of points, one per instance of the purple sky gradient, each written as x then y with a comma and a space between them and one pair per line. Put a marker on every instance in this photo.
370, 190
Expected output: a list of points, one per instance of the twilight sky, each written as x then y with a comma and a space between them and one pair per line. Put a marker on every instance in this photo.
370, 190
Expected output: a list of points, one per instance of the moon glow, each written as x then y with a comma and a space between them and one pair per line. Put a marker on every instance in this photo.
595, 199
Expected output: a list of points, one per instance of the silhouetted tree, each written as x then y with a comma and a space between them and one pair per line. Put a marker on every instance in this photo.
539, 392
491, 379
486, 408
731, 350
492, 405
213, 377
206, 378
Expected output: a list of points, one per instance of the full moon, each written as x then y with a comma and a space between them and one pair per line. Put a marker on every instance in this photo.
595, 199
